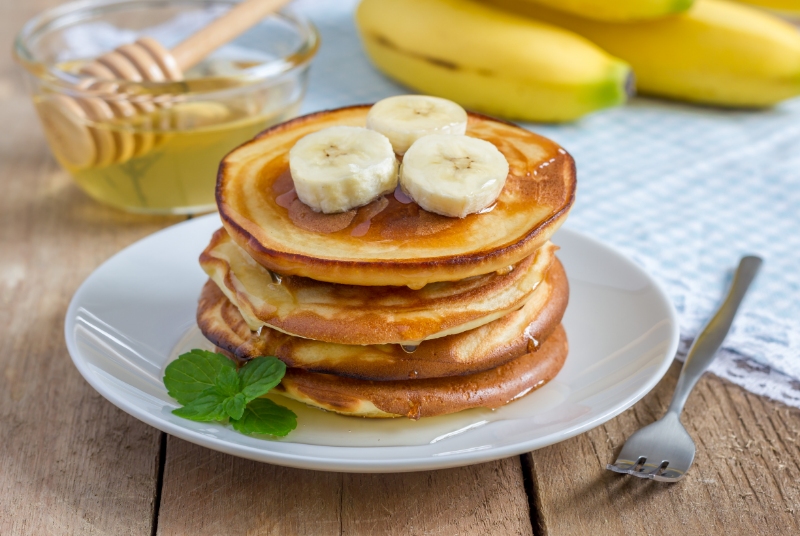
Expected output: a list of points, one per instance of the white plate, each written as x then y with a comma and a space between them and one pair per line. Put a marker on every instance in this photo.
136, 312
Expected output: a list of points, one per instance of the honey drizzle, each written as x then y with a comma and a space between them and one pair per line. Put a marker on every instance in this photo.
401, 196
285, 200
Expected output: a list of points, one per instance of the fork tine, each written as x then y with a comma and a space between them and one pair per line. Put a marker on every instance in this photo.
670, 475
639, 465
661, 468
615, 468
662, 472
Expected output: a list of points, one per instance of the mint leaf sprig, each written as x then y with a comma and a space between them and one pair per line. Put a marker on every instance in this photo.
210, 388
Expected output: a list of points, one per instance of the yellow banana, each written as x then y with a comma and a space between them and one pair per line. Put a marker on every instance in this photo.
489, 60
718, 52
620, 10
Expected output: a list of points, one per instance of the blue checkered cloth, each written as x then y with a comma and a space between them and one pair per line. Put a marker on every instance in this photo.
683, 190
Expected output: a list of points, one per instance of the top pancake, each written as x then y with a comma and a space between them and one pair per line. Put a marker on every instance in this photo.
390, 242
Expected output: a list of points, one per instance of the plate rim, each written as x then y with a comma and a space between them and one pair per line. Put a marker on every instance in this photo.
326, 462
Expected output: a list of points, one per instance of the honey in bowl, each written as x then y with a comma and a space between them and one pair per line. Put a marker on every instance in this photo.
162, 158
162, 161
141, 122
180, 170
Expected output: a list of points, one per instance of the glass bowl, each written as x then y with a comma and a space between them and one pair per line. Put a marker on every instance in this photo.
154, 147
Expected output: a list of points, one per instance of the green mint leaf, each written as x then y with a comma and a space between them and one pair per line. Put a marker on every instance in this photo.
260, 375
209, 406
193, 373
235, 405
210, 388
227, 382
263, 416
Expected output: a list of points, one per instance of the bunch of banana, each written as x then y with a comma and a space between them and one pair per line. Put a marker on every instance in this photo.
718, 52
490, 60
340, 168
522, 60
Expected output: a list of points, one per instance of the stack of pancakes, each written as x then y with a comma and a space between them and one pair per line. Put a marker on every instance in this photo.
388, 310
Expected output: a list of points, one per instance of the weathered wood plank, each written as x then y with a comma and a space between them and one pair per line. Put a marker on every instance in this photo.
480, 499
745, 478
70, 462
207, 492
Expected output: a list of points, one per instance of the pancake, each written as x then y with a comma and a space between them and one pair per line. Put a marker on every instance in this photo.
434, 396
349, 314
391, 242
465, 353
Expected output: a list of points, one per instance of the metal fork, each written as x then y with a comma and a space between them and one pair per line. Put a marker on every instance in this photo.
663, 450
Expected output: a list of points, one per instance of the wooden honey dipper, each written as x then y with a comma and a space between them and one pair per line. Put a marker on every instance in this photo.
65, 118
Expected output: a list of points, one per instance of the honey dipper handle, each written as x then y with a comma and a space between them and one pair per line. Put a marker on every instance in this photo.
236, 21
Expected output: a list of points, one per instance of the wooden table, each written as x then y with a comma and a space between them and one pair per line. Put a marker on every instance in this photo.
71, 463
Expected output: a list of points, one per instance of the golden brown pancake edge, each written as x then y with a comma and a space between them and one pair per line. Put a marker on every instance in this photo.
433, 396
465, 353
348, 314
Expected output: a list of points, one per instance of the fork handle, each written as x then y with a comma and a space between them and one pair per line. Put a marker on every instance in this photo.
705, 346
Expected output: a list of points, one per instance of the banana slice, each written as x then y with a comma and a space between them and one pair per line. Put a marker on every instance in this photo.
453, 175
406, 118
339, 168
